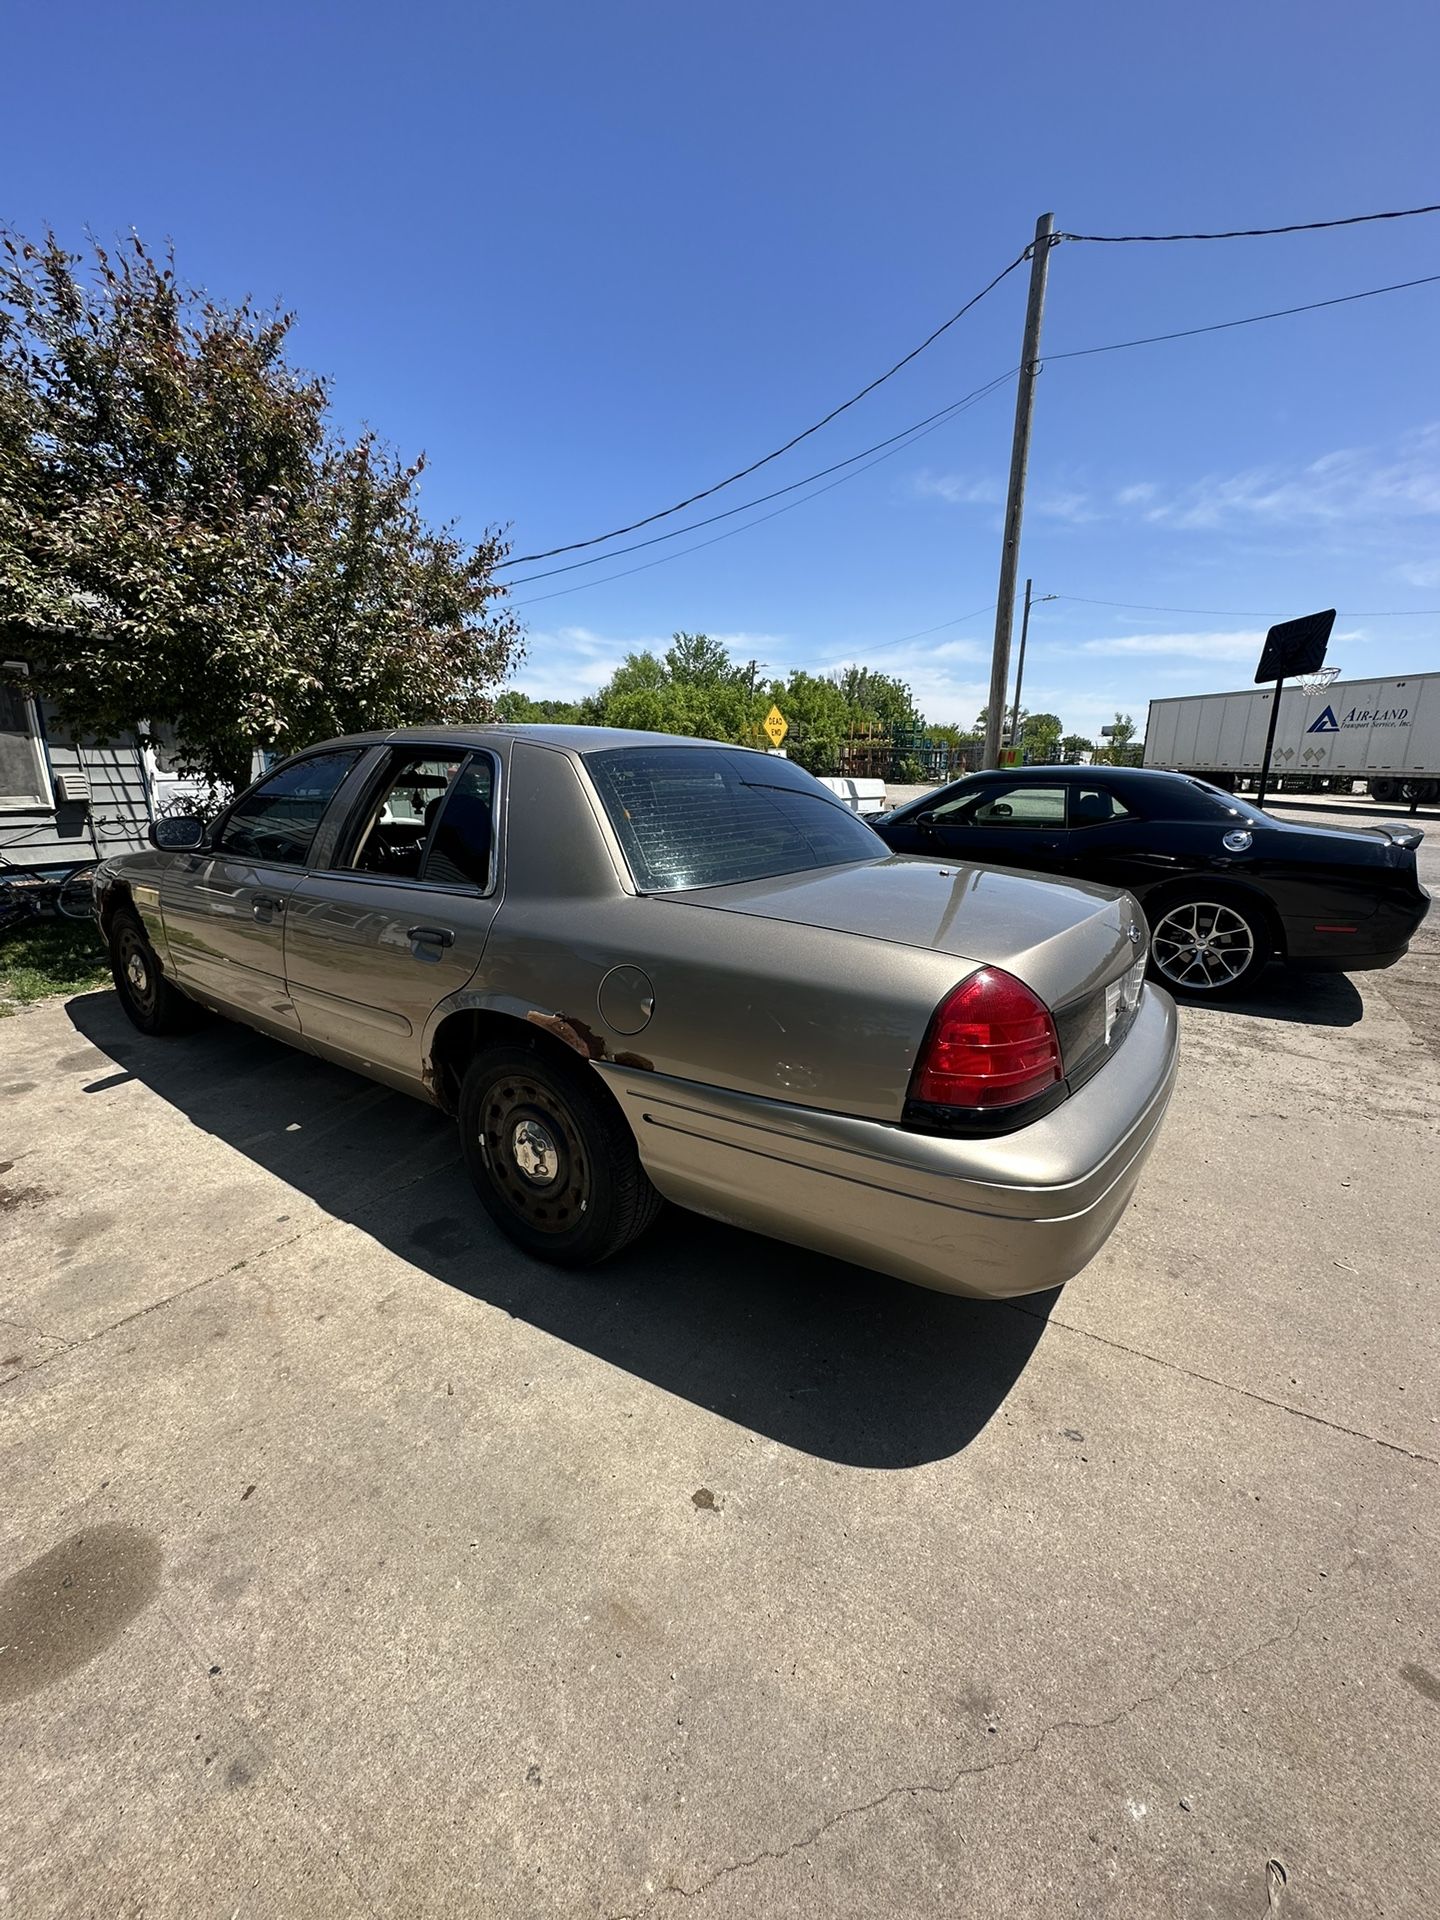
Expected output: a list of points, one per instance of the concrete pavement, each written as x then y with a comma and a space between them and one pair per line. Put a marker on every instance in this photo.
353, 1565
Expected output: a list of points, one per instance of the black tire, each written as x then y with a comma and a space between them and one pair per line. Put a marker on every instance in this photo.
1384, 789
151, 1002
584, 1195
1208, 943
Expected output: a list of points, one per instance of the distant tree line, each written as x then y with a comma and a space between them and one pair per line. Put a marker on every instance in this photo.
695, 687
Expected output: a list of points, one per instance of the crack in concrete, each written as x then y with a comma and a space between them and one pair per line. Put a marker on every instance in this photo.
939, 1789
1227, 1386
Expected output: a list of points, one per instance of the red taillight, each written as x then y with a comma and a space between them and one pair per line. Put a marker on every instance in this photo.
992, 1043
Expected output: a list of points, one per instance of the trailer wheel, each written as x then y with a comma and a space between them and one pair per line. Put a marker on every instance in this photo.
1383, 789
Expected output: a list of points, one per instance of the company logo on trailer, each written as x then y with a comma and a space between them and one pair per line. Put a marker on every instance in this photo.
1360, 717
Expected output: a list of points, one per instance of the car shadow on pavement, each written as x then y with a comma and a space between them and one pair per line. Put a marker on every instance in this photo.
1286, 993
825, 1357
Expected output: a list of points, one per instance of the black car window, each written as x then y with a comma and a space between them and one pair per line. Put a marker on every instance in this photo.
710, 816
462, 833
1002, 804
1095, 807
401, 810
277, 820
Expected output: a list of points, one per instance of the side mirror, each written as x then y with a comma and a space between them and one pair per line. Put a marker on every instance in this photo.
926, 819
177, 832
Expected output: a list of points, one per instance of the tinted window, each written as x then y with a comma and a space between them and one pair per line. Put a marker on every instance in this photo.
462, 837
398, 821
1094, 806
277, 820
710, 816
997, 804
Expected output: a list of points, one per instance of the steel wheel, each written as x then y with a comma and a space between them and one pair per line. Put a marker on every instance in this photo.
135, 972
535, 1153
152, 1003
552, 1157
1205, 946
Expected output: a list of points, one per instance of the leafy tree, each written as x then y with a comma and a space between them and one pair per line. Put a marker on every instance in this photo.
1041, 738
518, 708
1074, 746
1120, 752
184, 541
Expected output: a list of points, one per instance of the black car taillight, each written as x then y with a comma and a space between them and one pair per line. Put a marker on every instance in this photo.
991, 1045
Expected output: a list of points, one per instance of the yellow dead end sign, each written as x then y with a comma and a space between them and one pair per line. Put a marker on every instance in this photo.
776, 726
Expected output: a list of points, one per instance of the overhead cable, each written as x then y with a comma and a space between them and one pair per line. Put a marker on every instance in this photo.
595, 540
1250, 320
1251, 233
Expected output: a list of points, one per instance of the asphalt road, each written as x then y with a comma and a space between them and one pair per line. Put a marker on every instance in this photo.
353, 1565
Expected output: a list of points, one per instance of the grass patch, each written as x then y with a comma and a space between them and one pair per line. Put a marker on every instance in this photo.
50, 956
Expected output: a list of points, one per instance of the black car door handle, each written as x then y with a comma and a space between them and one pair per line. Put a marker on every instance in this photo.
432, 936
262, 904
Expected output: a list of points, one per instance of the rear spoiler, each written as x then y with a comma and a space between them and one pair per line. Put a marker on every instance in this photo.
1398, 835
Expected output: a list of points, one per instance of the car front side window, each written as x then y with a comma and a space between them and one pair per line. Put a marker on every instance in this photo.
277, 820
996, 805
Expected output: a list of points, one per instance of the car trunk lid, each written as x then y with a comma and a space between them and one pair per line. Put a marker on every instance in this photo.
1070, 942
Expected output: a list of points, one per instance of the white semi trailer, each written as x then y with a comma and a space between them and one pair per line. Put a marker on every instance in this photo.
1385, 732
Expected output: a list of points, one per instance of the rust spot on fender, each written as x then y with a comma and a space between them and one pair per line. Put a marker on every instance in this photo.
636, 1060
581, 1038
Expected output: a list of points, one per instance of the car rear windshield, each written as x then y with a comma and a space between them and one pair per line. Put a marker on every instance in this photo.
711, 816
1200, 801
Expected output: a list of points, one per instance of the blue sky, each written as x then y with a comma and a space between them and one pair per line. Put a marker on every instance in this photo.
592, 258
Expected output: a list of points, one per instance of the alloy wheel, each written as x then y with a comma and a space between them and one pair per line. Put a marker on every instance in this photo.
1202, 946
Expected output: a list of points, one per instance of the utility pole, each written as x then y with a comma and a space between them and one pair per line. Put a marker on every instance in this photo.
1015, 722
1020, 670
1015, 502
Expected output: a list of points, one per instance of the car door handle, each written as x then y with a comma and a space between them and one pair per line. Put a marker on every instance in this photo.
432, 936
262, 904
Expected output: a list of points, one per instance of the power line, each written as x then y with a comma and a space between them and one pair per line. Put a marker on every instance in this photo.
789, 507
1230, 613
924, 632
676, 533
1252, 233
1251, 320
664, 513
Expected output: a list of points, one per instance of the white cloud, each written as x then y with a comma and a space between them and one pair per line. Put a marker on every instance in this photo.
1353, 485
565, 663
958, 489
1138, 495
1206, 646
1070, 504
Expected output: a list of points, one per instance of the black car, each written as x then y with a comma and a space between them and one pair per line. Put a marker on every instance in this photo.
1225, 887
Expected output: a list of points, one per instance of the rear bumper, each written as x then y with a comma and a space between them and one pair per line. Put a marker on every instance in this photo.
1345, 943
987, 1217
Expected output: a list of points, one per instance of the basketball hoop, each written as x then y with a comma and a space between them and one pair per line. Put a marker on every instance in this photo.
1313, 682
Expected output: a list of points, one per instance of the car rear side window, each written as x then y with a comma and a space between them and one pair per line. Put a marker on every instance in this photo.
1095, 807
277, 820
462, 838
712, 816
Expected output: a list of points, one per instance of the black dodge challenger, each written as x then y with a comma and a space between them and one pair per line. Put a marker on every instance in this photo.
1225, 887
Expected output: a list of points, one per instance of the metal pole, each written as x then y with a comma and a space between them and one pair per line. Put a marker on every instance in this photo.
1269, 744
1015, 503
1020, 671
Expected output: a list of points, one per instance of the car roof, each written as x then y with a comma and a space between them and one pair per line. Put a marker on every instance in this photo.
1134, 777
576, 739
